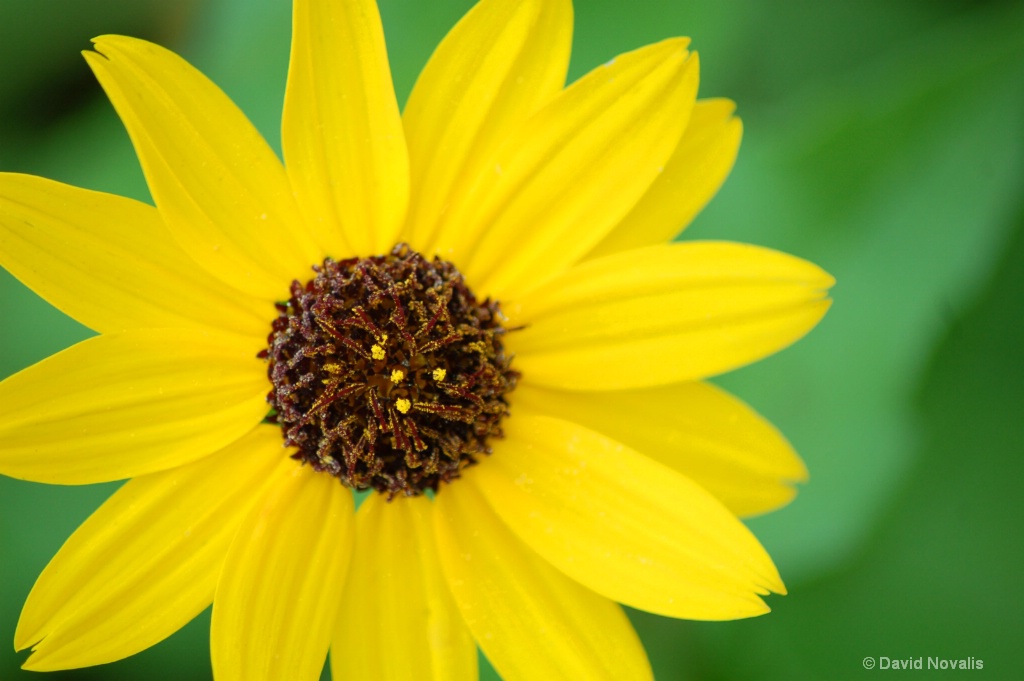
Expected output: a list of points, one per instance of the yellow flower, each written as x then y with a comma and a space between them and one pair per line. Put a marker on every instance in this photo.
605, 470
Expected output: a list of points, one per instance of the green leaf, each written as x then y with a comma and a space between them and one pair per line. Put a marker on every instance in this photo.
898, 179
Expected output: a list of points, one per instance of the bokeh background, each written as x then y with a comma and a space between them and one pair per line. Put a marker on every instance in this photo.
883, 140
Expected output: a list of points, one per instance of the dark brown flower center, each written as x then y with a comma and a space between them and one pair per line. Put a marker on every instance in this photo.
387, 372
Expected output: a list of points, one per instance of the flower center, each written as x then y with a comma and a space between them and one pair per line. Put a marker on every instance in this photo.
387, 372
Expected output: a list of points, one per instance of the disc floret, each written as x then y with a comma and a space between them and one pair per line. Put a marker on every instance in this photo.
388, 373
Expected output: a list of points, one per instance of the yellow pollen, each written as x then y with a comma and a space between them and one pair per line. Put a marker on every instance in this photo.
332, 368
397, 375
377, 351
439, 374
403, 405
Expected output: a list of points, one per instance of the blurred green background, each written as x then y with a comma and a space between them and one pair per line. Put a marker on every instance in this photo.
883, 140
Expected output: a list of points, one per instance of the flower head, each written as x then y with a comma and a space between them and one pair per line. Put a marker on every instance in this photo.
469, 309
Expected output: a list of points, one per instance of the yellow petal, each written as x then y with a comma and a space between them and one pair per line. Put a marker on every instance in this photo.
692, 176
572, 171
147, 561
398, 620
695, 428
280, 589
623, 525
665, 314
531, 621
219, 187
110, 262
342, 134
122, 405
501, 62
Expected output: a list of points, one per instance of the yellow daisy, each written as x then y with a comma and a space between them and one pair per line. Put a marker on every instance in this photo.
469, 308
